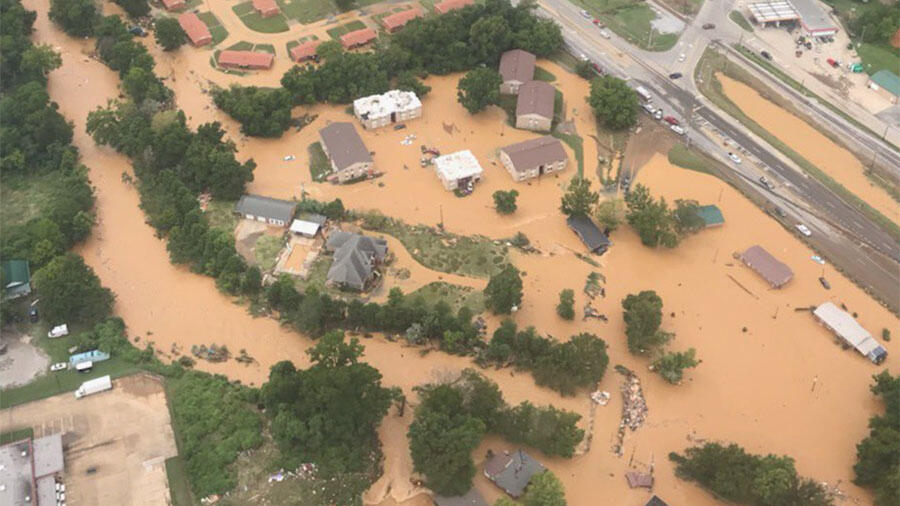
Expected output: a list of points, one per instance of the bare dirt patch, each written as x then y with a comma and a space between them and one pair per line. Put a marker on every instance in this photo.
22, 361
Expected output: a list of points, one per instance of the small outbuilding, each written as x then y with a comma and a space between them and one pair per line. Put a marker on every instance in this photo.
843, 325
534, 106
458, 171
512, 472
266, 209
173, 5
305, 51
253, 60
711, 216
16, 278
589, 234
349, 157
358, 38
304, 228
195, 29
887, 84
398, 20
639, 480
770, 268
88, 356
470, 498
393, 106
656, 501
516, 68
266, 8
534, 157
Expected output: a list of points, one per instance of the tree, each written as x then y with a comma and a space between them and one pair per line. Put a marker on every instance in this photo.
651, 219
344, 5
407, 81
566, 307
687, 218
585, 69
70, 292
75, 17
544, 489
489, 36
479, 88
503, 291
610, 213
262, 112
878, 455
505, 201
671, 365
578, 363
169, 34
329, 49
579, 199
643, 316
614, 103
38, 61
134, 8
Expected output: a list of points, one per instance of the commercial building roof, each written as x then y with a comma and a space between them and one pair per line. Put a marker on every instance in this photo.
173, 4
517, 65
534, 152
590, 235
847, 328
305, 50
458, 165
249, 59
512, 472
536, 97
16, 479
27, 469
773, 11
711, 215
767, 266
377, 106
358, 37
343, 145
48, 455
399, 19
887, 80
195, 29
266, 207
265, 7
470, 498
813, 18
451, 5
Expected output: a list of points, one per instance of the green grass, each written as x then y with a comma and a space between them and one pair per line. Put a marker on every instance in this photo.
454, 295
684, 157
16, 435
309, 11
713, 62
319, 167
875, 58
265, 48
55, 383
218, 32
740, 20
266, 251
542, 74
630, 19
241, 46
476, 256
257, 23
179, 486
565, 60
220, 214
686, 7
577, 144
336, 32
23, 197
243, 8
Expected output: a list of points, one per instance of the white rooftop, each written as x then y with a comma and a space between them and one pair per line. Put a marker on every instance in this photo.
304, 227
377, 106
457, 165
774, 10
845, 326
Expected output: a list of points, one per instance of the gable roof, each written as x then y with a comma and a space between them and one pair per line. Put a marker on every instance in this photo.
343, 145
305, 50
534, 152
887, 80
354, 257
399, 19
639, 480
517, 65
358, 37
470, 498
195, 29
15, 273
451, 5
257, 59
267, 207
173, 4
711, 215
512, 472
536, 97
656, 501
767, 266
589, 234
265, 7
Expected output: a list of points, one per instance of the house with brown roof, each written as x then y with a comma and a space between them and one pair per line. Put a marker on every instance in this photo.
398, 20
534, 106
534, 157
516, 68
266, 8
358, 38
451, 5
305, 51
195, 29
349, 157
773, 271
172, 5
254, 60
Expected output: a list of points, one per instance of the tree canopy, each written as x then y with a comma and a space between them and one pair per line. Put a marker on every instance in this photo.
75, 17
671, 365
70, 292
579, 200
504, 290
614, 103
505, 201
262, 112
168, 33
643, 317
544, 489
651, 219
878, 455
478, 89
566, 307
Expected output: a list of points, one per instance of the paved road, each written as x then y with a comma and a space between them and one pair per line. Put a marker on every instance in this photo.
840, 232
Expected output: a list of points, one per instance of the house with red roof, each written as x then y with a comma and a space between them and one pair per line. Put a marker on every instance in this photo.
451, 5
246, 59
398, 20
305, 51
172, 5
195, 29
266, 8
358, 38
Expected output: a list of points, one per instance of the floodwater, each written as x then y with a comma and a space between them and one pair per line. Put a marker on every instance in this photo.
806, 140
775, 387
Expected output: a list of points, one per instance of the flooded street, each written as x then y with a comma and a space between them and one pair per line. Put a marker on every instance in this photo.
806, 140
781, 386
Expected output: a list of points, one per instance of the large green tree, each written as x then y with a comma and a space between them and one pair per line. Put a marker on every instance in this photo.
75, 17
490, 36
544, 489
652, 219
70, 292
671, 365
614, 103
579, 199
503, 291
134, 8
479, 88
878, 455
505, 201
169, 34
643, 317
262, 112
566, 307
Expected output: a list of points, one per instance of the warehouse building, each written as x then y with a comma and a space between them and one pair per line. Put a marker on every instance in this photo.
394, 106
29, 469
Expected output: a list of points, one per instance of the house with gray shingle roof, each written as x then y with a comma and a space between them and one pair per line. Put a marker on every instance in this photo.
356, 258
350, 158
512, 472
266, 209
534, 106
516, 68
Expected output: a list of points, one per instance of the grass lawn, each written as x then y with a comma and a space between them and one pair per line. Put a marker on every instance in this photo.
16, 435
542, 74
319, 168
243, 8
255, 22
686, 7
630, 19
220, 214
24, 197
577, 144
265, 48
179, 487
266, 251
55, 383
241, 46
218, 32
741, 21
454, 295
682, 156
336, 32
875, 58
309, 11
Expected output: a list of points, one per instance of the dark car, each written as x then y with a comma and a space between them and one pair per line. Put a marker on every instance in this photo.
399, 126
675, 75
766, 55
33, 314
709, 26
825, 283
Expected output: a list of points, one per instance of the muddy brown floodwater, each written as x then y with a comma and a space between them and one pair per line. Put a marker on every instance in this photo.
754, 387
811, 144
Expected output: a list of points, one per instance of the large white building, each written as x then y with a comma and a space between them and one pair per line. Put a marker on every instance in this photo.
457, 170
376, 111
847, 328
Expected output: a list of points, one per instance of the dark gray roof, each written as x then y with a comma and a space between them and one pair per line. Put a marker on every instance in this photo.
470, 498
268, 207
344, 146
318, 219
588, 232
536, 97
767, 266
534, 152
656, 501
517, 65
512, 472
354, 258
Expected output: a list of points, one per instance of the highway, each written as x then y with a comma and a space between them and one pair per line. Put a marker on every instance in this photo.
841, 233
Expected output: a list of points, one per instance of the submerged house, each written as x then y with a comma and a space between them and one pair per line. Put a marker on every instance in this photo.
589, 234
458, 171
266, 209
349, 157
534, 157
512, 472
770, 268
356, 258
711, 216
390, 107
16, 279
534, 106
843, 325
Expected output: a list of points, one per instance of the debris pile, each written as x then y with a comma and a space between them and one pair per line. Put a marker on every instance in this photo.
634, 407
590, 312
600, 397
244, 358
212, 353
592, 287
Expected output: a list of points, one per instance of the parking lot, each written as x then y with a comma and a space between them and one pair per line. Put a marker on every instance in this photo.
115, 443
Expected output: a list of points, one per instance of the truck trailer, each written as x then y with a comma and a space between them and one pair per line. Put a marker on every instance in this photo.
843, 325
96, 385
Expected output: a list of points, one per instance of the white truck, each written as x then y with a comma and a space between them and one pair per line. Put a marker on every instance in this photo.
96, 385
643, 93
58, 331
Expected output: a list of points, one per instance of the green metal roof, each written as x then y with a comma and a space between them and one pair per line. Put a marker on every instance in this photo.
711, 215
887, 80
15, 272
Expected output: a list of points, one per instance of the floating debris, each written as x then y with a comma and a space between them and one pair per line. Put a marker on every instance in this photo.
634, 407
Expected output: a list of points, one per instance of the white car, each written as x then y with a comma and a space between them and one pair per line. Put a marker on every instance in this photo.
734, 158
585, 14
59, 366
605, 34
681, 57
677, 129
649, 108
58, 331
804, 229
658, 114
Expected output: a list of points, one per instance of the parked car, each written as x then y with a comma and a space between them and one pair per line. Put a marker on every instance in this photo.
825, 283
59, 366
597, 68
765, 54
681, 57
763, 180
709, 26
399, 126
585, 14
658, 114
804, 229
649, 108
677, 129
58, 331
671, 120
675, 75
605, 34
834, 63
599, 23
734, 158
